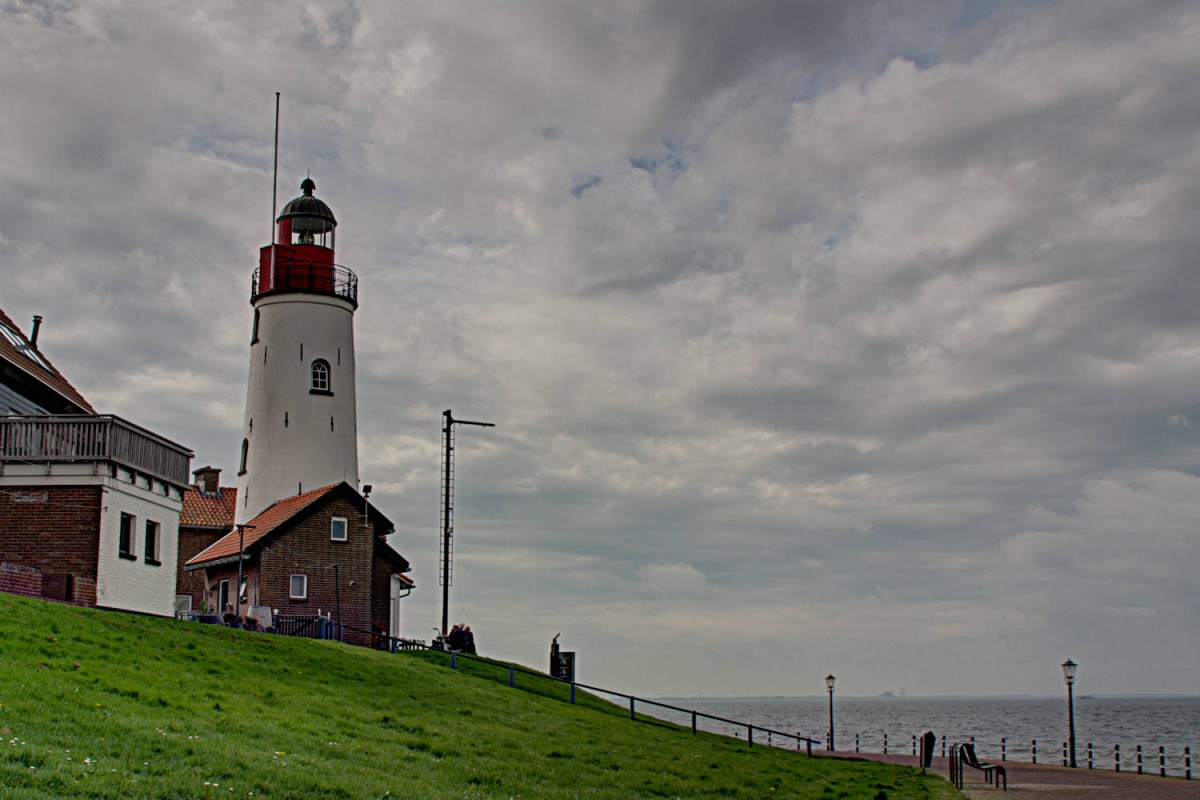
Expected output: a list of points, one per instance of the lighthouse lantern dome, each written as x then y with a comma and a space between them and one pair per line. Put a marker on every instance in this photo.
306, 219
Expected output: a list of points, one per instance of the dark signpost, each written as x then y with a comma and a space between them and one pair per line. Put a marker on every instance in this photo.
562, 662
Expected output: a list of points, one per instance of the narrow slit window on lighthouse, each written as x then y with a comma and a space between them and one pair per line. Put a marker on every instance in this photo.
245, 453
320, 378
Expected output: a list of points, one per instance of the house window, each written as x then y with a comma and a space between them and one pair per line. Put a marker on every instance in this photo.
125, 540
320, 377
152, 530
299, 588
338, 529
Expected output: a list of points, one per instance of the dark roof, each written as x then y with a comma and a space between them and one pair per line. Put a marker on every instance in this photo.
316, 217
280, 516
393, 557
208, 509
33, 374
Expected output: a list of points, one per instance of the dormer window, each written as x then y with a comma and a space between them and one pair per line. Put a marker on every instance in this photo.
320, 378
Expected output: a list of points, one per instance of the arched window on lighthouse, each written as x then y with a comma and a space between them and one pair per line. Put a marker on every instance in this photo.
320, 377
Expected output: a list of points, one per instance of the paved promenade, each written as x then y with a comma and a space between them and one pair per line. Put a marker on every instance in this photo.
1046, 782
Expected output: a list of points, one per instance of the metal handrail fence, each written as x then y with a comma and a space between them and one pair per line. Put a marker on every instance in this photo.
1142, 760
396, 644
1160, 761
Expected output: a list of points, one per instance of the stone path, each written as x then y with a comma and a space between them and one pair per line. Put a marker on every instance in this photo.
1046, 782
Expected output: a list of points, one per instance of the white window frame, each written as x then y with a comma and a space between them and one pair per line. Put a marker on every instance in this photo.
303, 586
333, 529
322, 380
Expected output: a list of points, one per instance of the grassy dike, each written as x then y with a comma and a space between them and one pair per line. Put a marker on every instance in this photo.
103, 704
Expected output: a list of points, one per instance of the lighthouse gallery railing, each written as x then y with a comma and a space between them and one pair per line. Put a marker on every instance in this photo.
309, 277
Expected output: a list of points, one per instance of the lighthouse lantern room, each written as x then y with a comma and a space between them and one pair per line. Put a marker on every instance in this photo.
300, 429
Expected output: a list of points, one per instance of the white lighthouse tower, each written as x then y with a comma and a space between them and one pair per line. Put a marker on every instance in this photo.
300, 427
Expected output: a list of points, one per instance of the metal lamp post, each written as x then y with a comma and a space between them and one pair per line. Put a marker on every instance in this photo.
1069, 667
829, 679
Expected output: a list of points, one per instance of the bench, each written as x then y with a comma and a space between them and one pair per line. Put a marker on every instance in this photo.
992, 773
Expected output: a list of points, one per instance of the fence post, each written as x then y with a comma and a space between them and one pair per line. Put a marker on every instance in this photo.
1033, 750
750, 736
1187, 762
1139, 759
943, 747
1089, 755
1004, 748
1117, 757
693, 723
631, 711
454, 661
885, 744
1162, 762
510, 677
1066, 761
856, 742
914, 738
808, 749
572, 693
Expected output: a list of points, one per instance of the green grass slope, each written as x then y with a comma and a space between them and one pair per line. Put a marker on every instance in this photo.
102, 704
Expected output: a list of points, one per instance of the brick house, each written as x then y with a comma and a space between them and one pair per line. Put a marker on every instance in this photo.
207, 515
89, 503
321, 552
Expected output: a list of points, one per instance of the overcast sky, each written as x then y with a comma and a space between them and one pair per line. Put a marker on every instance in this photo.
851, 337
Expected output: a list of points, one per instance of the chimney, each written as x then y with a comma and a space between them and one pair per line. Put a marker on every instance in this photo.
208, 480
37, 326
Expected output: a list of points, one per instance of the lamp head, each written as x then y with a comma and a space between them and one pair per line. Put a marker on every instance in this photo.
1069, 668
367, 489
829, 679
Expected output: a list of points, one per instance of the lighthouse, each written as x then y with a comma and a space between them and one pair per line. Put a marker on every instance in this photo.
300, 429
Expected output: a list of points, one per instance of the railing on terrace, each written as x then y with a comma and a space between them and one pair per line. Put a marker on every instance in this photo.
41, 439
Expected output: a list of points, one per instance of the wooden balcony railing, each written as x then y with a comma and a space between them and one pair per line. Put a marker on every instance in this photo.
41, 439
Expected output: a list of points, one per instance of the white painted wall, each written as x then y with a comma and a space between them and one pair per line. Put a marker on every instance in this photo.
136, 585
303, 454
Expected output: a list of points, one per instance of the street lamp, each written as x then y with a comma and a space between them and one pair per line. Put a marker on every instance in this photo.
829, 679
1069, 667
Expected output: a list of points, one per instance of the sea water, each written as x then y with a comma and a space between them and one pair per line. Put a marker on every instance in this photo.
1011, 728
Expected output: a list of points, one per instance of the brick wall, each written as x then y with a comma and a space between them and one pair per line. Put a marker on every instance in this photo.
308, 550
53, 529
363, 578
191, 542
20, 579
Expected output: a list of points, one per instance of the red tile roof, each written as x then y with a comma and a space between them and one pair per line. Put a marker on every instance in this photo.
261, 526
45, 373
205, 510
